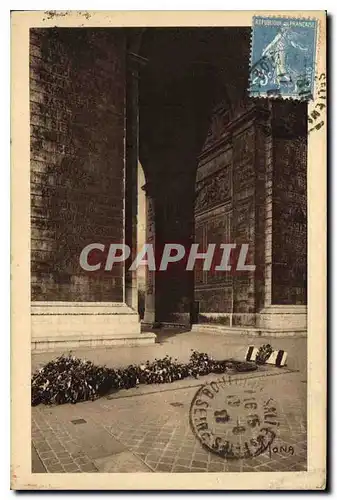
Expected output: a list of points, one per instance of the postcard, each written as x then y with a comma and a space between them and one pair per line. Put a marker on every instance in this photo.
168, 250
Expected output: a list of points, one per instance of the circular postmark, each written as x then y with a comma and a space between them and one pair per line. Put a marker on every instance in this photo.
231, 422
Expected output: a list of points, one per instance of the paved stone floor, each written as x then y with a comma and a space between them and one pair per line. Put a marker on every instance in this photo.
179, 344
150, 430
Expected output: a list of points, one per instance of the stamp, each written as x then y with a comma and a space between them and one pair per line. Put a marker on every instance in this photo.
233, 422
282, 63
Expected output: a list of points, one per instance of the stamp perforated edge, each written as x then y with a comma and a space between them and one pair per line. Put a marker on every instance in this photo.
318, 40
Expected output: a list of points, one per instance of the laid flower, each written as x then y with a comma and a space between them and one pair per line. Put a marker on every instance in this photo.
68, 379
263, 353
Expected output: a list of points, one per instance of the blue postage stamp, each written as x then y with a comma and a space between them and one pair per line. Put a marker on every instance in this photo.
283, 57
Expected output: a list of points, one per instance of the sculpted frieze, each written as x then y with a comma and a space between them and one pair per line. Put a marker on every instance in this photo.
214, 190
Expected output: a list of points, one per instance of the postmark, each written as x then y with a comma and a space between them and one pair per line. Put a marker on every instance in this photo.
283, 52
316, 116
233, 422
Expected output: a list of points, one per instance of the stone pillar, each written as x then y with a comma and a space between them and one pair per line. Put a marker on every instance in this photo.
268, 220
131, 177
244, 218
268, 212
174, 224
77, 94
150, 279
285, 255
263, 209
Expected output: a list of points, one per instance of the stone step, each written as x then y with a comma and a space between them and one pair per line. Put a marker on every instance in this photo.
247, 331
67, 342
81, 309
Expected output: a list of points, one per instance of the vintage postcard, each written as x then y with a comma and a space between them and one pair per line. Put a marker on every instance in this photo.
168, 250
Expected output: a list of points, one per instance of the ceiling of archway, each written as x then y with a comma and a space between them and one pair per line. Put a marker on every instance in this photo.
188, 72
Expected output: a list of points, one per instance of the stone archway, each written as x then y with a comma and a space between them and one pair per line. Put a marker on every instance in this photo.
176, 100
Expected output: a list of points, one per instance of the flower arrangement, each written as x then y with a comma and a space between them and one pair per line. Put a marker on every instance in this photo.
68, 379
263, 354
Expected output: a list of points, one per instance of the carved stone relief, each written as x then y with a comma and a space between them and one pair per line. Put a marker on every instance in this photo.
214, 190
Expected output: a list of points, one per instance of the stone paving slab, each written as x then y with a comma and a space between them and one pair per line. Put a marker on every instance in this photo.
122, 462
263, 371
153, 430
37, 465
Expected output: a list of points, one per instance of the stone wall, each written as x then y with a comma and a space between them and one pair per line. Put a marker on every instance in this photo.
244, 215
225, 211
289, 248
77, 106
213, 223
